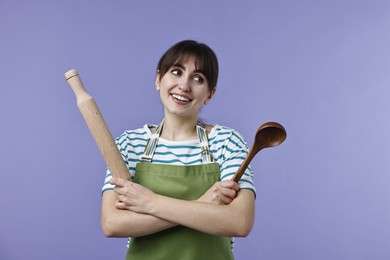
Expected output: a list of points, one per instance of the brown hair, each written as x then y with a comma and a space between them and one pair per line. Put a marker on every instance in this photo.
205, 59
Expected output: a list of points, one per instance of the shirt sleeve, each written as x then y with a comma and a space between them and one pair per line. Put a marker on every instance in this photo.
234, 153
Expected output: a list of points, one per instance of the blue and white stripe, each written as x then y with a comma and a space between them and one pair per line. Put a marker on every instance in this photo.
227, 147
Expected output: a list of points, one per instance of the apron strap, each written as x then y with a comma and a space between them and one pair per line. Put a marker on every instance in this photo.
152, 144
202, 138
207, 157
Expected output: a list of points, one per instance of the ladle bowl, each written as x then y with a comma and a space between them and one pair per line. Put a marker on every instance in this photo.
270, 134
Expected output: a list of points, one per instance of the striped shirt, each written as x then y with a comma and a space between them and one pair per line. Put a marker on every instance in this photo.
226, 145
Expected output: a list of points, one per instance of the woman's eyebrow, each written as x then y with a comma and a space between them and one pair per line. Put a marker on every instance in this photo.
178, 65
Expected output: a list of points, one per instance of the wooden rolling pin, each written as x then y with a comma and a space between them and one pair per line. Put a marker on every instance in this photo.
98, 127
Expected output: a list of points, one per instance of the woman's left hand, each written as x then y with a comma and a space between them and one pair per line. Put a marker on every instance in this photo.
221, 193
132, 196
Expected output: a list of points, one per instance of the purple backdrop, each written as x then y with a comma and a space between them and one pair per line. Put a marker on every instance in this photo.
321, 68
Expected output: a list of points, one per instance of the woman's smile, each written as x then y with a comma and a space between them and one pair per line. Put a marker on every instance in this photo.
180, 99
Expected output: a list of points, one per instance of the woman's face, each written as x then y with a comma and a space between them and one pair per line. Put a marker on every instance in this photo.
183, 89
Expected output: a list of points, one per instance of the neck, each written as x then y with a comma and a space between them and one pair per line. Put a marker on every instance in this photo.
179, 129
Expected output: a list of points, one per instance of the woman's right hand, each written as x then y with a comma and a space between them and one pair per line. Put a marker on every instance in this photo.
221, 193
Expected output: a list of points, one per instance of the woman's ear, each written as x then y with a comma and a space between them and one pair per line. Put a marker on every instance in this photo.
157, 82
212, 92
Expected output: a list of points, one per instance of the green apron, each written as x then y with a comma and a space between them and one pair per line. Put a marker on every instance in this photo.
182, 182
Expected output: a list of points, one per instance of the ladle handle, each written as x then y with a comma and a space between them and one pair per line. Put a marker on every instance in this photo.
244, 165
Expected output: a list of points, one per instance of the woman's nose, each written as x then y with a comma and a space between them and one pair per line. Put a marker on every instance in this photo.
185, 85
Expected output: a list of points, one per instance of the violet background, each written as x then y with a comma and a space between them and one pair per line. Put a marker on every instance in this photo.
320, 68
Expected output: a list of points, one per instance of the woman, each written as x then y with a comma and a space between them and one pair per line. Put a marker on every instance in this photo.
181, 203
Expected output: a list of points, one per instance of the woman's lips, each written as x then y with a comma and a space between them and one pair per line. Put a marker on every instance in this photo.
180, 98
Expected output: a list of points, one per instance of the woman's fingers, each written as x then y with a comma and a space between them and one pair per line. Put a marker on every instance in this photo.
222, 192
230, 185
225, 200
132, 196
120, 205
230, 193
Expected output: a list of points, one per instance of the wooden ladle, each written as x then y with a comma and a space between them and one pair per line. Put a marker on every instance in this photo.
270, 134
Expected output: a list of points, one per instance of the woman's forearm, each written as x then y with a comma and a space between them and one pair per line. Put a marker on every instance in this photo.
235, 219
142, 212
124, 223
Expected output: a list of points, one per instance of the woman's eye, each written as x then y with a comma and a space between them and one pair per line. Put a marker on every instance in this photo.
199, 79
176, 72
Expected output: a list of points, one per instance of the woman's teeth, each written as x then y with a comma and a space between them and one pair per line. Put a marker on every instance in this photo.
181, 98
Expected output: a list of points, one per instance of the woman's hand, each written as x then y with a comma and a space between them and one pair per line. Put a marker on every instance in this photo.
221, 193
132, 196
